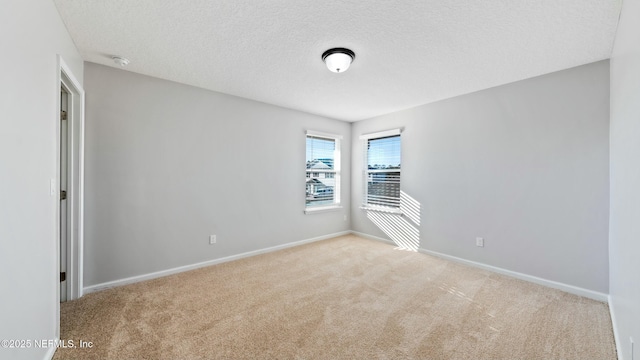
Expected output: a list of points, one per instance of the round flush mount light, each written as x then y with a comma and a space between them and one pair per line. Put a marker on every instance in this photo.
338, 60
119, 60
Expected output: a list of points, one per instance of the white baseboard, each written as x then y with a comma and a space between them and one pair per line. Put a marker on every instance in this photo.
372, 237
157, 274
51, 351
614, 325
595, 295
549, 283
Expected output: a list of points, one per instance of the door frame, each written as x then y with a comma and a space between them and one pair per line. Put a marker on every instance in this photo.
75, 178
62, 184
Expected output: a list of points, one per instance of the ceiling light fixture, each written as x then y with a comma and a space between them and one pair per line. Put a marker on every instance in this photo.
120, 60
338, 60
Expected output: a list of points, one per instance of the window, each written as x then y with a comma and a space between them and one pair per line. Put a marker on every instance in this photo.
382, 170
323, 171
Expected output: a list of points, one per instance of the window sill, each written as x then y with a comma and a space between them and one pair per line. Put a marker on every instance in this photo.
382, 209
322, 209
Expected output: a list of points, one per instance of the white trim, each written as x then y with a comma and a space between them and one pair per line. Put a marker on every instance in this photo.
66, 78
384, 209
321, 209
76, 258
595, 295
55, 194
372, 237
323, 135
381, 134
337, 168
365, 168
157, 274
614, 325
51, 350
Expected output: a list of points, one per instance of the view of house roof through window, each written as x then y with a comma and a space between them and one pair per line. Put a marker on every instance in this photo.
322, 180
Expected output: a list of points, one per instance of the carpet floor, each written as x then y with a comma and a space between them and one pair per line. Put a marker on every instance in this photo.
343, 298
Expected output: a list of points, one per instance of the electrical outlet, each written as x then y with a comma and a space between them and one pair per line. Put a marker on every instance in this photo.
479, 242
345, 218
212, 239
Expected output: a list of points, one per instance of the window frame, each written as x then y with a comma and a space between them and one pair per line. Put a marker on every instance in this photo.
337, 170
365, 138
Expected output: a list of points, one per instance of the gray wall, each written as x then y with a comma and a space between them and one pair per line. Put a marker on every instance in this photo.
169, 164
624, 236
524, 165
32, 34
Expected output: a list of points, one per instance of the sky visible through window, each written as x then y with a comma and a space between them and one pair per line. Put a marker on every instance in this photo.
384, 152
318, 148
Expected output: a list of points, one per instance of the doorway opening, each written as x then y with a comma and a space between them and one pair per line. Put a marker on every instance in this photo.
64, 172
70, 179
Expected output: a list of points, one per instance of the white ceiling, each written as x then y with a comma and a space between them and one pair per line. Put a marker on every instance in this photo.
408, 53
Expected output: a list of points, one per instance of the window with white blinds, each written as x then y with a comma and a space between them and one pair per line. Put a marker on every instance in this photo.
383, 167
323, 170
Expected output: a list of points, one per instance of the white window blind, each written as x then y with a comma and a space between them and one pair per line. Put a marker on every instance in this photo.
383, 168
323, 170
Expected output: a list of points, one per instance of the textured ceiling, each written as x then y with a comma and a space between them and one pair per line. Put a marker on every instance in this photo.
408, 53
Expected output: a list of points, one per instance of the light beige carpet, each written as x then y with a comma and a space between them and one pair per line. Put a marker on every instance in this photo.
344, 298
